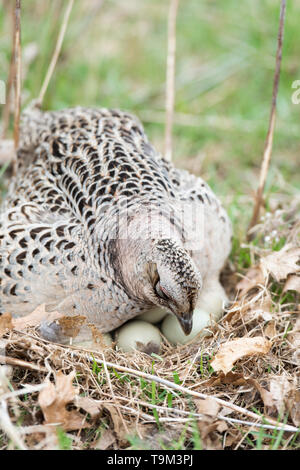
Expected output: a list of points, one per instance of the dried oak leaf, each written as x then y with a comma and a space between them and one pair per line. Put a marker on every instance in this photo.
227, 379
71, 325
89, 405
53, 400
292, 283
282, 397
209, 433
281, 263
118, 424
120, 428
252, 278
265, 395
208, 406
284, 392
293, 406
294, 335
106, 440
270, 330
6, 323
230, 352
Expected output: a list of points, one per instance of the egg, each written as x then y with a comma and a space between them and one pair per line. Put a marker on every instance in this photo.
212, 299
171, 328
154, 315
139, 335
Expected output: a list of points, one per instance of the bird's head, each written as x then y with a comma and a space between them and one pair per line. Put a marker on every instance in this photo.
172, 281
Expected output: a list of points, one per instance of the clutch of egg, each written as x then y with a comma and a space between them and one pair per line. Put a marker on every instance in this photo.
142, 335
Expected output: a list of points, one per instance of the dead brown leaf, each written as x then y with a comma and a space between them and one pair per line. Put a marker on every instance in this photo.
280, 389
118, 424
270, 330
281, 263
106, 440
53, 400
294, 335
292, 283
231, 438
207, 406
293, 406
230, 352
263, 310
283, 397
266, 396
6, 323
89, 405
252, 278
210, 438
231, 378
71, 325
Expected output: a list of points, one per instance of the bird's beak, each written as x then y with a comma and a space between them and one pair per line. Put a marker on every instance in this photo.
186, 323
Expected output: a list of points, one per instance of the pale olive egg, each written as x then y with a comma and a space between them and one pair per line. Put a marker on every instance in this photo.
138, 335
171, 328
212, 299
154, 315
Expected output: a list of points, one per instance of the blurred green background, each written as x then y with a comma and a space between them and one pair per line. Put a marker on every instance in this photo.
114, 55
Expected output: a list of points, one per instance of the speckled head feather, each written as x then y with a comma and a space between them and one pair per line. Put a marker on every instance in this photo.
178, 282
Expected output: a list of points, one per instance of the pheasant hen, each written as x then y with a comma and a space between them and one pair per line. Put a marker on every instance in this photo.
97, 223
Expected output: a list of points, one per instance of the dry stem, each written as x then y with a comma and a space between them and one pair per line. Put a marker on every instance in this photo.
170, 78
17, 75
12, 361
6, 110
188, 391
8, 427
269, 138
56, 52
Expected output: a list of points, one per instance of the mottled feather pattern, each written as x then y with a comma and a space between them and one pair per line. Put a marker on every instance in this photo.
79, 170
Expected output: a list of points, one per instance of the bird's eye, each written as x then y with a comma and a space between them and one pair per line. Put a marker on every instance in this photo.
161, 292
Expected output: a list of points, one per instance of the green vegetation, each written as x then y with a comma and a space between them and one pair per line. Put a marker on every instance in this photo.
114, 55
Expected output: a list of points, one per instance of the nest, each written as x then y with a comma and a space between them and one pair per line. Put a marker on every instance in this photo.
56, 396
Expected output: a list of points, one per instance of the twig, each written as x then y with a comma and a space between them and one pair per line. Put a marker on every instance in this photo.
19, 363
23, 391
188, 391
56, 52
5, 422
199, 415
6, 110
112, 391
165, 409
170, 78
17, 77
191, 365
173, 386
269, 138
8, 427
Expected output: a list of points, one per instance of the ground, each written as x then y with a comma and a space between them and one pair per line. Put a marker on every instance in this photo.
114, 55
